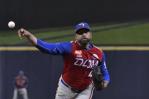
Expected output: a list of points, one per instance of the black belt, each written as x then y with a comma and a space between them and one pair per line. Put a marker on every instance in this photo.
72, 89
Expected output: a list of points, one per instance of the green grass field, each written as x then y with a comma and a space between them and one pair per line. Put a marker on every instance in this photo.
135, 33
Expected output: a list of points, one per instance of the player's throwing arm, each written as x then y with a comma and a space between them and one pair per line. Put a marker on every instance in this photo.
28, 35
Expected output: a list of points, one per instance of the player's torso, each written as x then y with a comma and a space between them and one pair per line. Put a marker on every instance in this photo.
21, 81
78, 65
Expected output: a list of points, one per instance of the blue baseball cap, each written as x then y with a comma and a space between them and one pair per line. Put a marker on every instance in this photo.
82, 25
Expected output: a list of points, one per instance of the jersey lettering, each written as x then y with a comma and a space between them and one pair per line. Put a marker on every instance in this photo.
90, 74
86, 62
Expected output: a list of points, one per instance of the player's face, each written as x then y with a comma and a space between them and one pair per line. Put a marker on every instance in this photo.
83, 36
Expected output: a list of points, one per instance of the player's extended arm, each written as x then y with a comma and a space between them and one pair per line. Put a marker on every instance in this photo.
28, 35
54, 48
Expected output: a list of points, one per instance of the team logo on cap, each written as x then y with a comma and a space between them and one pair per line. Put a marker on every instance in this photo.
82, 24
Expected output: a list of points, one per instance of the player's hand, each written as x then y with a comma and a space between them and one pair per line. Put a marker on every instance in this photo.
105, 84
23, 33
28, 35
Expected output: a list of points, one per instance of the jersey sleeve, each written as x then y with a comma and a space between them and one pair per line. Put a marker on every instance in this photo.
104, 70
54, 48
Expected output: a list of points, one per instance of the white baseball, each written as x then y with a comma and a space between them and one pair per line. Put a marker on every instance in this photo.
11, 24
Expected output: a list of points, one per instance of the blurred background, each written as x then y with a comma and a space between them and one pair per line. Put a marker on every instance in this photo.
120, 28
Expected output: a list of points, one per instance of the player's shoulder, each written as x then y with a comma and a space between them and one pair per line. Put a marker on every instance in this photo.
98, 48
70, 43
65, 43
66, 46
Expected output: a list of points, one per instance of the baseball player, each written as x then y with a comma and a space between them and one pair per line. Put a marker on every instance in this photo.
20, 84
80, 56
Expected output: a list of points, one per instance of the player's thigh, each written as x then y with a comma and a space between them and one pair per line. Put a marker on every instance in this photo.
64, 92
87, 93
23, 91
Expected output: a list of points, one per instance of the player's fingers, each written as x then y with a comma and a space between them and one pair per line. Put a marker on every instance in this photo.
21, 33
22, 30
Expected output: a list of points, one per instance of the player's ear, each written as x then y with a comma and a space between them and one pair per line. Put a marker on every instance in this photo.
91, 35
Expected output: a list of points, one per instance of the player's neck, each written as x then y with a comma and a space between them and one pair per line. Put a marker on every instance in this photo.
83, 45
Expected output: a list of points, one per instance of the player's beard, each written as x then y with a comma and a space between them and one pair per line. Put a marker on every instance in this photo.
84, 41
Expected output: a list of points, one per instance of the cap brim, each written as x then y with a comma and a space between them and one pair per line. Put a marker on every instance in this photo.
82, 28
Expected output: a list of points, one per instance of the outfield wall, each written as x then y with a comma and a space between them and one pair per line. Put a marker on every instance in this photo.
128, 70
